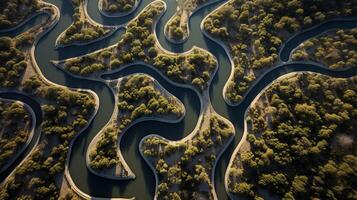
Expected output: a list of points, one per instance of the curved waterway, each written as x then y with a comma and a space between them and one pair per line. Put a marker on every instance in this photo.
143, 186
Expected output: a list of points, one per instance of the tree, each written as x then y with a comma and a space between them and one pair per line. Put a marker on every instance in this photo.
299, 184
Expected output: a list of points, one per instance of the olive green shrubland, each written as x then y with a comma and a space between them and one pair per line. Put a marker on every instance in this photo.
335, 49
254, 32
16, 127
139, 44
138, 96
13, 12
65, 113
82, 30
12, 63
177, 27
301, 141
118, 6
184, 168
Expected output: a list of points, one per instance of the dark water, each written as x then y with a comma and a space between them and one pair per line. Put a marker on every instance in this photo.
143, 186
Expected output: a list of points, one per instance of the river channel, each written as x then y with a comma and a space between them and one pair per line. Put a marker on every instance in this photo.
142, 188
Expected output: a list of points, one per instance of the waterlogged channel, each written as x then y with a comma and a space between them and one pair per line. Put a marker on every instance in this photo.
143, 186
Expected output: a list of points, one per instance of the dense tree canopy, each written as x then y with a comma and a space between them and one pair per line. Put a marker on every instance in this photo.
12, 63
176, 28
254, 32
118, 6
185, 168
82, 29
13, 12
336, 49
138, 43
302, 141
65, 113
138, 96
16, 126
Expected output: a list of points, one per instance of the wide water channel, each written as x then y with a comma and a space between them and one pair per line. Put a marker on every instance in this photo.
143, 186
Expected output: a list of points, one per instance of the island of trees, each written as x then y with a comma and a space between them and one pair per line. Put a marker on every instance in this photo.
14, 12
65, 114
177, 28
184, 168
254, 31
335, 49
138, 97
117, 7
15, 132
301, 141
83, 30
139, 45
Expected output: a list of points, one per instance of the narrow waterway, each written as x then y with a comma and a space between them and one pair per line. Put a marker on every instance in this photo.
143, 186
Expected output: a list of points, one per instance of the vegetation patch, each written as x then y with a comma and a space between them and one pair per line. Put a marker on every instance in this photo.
139, 44
301, 141
12, 62
83, 29
176, 28
184, 168
16, 127
137, 97
65, 113
254, 32
13, 12
335, 49
118, 6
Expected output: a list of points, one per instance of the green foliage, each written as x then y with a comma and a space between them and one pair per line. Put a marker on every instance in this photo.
186, 167
335, 49
13, 12
82, 30
16, 124
175, 30
302, 140
65, 113
12, 63
138, 97
254, 32
121, 6
138, 44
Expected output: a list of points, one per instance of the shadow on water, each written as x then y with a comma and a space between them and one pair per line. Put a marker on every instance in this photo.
143, 186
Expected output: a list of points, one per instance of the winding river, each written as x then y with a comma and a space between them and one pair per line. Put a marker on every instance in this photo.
143, 186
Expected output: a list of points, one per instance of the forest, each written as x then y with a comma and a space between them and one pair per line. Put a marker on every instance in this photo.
301, 137
254, 32
82, 30
138, 96
65, 113
176, 28
118, 6
138, 44
184, 168
16, 126
336, 49
10, 15
12, 63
